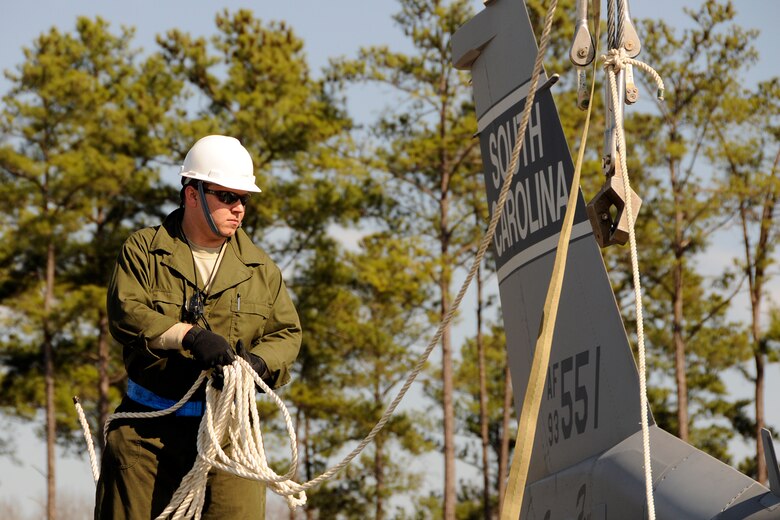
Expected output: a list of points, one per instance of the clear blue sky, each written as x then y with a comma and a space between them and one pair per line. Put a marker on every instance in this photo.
329, 29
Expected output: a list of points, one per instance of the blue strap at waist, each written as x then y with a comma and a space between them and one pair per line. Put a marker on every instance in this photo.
148, 398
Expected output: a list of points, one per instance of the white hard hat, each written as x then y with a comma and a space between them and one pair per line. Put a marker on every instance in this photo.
221, 160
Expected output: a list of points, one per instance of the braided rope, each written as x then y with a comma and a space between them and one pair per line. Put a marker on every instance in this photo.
613, 63
617, 60
232, 414
88, 438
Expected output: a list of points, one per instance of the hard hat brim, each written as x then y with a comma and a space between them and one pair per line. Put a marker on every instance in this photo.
216, 177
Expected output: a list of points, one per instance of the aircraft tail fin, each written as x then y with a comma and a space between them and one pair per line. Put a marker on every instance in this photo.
591, 399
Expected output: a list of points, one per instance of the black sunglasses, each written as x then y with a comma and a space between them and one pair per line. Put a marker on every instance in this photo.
228, 197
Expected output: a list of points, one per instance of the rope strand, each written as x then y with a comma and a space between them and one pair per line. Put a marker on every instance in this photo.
615, 61
88, 438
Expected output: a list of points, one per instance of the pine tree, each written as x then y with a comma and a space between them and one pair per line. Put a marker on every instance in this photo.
430, 161
746, 147
364, 313
497, 406
80, 120
685, 315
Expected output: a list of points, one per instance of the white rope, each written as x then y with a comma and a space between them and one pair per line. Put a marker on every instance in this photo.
88, 438
613, 63
232, 414
617, 59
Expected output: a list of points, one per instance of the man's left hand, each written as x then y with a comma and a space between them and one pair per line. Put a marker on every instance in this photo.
256, 362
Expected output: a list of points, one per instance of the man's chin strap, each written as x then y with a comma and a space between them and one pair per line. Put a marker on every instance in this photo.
207, 213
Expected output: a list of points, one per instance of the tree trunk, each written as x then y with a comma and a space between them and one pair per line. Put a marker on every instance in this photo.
763, 250
756, 276
444, 287
449, 413
447, 391
755, 273
309, 470
379, 474
677, 307
103, 378
48, 364
503, 458
679, 353
483, 415
761, 471
304, 454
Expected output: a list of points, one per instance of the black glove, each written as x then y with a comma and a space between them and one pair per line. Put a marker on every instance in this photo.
257, 364
209, 350
218, 378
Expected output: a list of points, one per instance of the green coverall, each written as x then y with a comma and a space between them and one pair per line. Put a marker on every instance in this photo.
145, 459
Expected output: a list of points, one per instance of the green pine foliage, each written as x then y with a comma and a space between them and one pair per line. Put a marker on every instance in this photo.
747, 151
688, 327
79, 127
364, 317
251, 80
428, 162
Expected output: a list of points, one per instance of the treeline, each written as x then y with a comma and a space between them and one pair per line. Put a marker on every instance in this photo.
93, 131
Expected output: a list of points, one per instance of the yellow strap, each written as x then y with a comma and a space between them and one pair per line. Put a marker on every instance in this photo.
526, 428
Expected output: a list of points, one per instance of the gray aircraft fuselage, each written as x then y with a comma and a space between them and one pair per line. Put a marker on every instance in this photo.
587, 460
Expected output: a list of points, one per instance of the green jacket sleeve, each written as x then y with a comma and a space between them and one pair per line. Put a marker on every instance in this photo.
133, 319
281, 338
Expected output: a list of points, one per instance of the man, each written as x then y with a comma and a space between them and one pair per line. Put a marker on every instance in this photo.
183, 296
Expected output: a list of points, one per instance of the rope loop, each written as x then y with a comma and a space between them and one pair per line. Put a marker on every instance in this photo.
617, 59
232, 414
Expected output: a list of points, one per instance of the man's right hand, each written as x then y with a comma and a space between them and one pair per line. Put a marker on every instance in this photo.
209, 349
